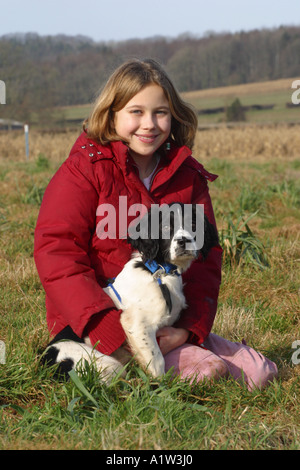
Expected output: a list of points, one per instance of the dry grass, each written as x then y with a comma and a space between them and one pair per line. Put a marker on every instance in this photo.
55, 147
251, 143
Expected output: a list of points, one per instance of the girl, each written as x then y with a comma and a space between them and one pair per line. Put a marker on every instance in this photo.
136, 144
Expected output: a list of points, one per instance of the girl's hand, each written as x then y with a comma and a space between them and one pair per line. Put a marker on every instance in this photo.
170, 338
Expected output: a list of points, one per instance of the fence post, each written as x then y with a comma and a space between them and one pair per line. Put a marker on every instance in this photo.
26, 131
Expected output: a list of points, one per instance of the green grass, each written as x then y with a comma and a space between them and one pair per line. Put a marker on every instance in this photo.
258, 303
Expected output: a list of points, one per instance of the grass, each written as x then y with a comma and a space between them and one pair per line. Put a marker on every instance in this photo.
256, 200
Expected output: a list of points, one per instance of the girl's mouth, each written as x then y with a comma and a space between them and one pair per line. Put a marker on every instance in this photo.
147, 139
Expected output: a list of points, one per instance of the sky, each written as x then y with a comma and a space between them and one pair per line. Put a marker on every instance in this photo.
118, 20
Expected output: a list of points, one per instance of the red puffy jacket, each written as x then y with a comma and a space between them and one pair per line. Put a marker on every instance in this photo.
74, 263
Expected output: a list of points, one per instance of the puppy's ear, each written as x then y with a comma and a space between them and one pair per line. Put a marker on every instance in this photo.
211, 237
148, 248
139, 236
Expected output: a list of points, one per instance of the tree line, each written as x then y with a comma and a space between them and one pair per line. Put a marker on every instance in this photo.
44, 72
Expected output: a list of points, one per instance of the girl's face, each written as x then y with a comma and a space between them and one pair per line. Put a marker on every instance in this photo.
145, 121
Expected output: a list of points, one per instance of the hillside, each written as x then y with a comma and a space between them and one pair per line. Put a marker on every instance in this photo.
264, 102
44, 73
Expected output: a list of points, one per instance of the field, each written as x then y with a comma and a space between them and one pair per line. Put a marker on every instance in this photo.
259, 172
273, 96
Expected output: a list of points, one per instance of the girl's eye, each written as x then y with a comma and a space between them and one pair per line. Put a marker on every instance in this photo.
159, 111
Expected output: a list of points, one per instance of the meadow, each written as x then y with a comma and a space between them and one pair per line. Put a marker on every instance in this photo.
257, 206
273, 96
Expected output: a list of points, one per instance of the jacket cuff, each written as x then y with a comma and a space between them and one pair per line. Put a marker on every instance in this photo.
106, 330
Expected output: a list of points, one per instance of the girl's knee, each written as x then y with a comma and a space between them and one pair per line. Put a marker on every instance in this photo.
196, 363
263, 375
257, 370
213, 367
243, 361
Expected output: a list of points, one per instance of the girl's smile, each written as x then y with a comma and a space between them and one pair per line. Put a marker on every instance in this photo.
146, 138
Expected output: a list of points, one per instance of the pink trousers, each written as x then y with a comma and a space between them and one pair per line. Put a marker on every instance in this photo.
219, 358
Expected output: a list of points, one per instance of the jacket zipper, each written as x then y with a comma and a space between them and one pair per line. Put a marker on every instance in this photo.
153, 176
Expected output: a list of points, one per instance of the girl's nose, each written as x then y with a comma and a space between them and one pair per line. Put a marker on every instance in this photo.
148, 121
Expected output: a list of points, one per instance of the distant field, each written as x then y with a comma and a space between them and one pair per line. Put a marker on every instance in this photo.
276, 92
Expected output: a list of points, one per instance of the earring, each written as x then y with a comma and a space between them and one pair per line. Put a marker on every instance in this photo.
168, 146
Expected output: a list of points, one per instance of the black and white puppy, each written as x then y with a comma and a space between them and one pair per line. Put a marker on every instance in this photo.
149, 291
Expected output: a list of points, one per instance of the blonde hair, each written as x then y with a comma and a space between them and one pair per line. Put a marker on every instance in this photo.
128, 80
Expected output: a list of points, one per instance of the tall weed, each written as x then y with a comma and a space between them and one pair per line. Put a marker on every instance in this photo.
240, 245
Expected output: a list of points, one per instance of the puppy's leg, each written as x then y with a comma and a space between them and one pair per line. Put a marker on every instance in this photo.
71, 355
142, 340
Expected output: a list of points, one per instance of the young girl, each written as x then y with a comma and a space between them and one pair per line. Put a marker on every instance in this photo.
136, 144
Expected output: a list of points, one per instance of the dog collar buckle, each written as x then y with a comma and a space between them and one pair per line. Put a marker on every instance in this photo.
159, 272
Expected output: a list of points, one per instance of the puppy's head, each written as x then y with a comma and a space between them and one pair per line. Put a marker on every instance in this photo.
175, 233
192, 234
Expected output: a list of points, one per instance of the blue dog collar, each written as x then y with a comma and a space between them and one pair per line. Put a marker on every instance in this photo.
165, 268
